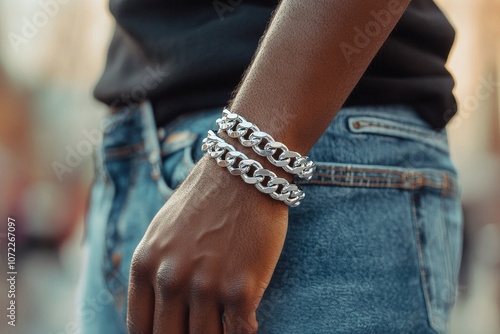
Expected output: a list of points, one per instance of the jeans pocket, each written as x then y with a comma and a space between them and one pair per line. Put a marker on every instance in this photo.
121, 169
401, 128
178, 156
392, 231
134, 202
438, 229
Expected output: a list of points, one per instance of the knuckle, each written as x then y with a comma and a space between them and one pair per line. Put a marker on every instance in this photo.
252, 328
168, 280
203, 288
238, 295
141, 266
238, 325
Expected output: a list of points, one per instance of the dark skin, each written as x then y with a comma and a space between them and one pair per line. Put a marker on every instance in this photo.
209, 254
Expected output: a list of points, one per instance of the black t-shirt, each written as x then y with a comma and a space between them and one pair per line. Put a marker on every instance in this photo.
189, 55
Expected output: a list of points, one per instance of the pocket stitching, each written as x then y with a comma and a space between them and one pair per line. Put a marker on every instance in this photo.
380, 124
346, 175
123, 152
116, 273
185, 146
416, 225
398, 130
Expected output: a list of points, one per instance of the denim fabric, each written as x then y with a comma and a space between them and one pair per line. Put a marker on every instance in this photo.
374, 247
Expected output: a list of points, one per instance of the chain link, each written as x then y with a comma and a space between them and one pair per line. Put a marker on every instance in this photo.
251, 171
263, 144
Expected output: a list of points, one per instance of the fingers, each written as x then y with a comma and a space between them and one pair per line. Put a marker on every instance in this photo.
170, 316
236, 321
205, 319
140, 309
161, 310
241, 299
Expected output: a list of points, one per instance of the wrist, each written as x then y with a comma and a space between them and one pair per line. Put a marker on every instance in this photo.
248, 151
217, 182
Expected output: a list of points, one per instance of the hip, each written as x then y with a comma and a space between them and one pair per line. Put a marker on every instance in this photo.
379, 231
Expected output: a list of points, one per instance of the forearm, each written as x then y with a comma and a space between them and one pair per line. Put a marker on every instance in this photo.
308, 63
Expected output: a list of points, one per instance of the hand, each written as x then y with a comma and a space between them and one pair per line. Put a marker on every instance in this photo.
206, 259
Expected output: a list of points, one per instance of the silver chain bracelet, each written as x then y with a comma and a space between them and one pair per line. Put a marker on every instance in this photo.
263, 144
251, 171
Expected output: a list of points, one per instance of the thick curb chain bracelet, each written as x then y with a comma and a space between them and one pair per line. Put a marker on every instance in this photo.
263, 144
251, 171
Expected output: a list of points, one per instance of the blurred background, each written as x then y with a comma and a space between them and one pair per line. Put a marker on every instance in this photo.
50, 59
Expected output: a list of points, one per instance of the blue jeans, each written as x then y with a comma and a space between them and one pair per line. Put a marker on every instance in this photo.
374, 247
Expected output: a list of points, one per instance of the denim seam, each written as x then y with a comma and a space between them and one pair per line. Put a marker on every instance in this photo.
421, 261
425, 136
370, 182
420, 180
116, 272
449, 268
121, 279
447, 191
366, 185
114, 153
137, 158
99, 175
386, 113
370, 124
365, 170
157, 180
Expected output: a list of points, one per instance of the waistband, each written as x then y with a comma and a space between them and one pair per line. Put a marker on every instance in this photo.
132, 132
132, 129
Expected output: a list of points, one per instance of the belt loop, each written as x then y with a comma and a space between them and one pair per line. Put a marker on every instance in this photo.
446, 185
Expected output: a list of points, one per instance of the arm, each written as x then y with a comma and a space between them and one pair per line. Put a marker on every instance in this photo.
309, 62
211, 250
